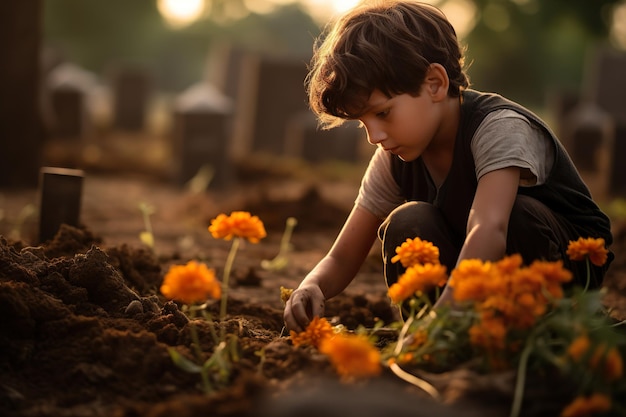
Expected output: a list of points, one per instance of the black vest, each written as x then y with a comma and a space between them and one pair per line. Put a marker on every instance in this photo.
564, 191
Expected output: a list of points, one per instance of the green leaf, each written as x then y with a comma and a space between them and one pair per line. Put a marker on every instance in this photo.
184, 363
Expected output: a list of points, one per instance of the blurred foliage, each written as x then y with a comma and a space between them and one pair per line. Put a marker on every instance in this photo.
520, 48
102, 35
544, 47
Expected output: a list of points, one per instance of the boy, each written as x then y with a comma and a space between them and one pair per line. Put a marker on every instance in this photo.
475, 174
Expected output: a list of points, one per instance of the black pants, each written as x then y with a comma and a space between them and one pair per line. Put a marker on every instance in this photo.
535, 232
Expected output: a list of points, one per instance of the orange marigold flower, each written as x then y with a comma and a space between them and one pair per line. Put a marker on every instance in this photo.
473, 280
489, 334
509, 264
587, 406
318, 329
418, 279
611, 360
592, 248
238, 224
352, 355
553, 272
416, 251
613, 365
399, 292
191, 283
579, 347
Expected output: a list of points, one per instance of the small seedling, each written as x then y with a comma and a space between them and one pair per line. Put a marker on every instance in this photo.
282, 259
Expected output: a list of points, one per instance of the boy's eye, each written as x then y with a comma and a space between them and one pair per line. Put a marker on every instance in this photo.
383, 113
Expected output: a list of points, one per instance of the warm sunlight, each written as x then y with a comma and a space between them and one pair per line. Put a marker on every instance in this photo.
323, 10
343, 5
180, 13
618, 27
462, 13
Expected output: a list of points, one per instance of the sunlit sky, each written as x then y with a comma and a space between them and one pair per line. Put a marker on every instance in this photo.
462, 13
179, 13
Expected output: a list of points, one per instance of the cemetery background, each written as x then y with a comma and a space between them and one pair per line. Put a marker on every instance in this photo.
73, 345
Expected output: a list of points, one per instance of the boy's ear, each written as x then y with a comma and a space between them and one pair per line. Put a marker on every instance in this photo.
437, 81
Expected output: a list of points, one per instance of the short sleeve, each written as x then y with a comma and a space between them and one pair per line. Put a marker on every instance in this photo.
379, 193
505, 139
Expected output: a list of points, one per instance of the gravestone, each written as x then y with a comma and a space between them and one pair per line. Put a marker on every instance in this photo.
68, 114
67, 89
223, 68
132, 89
61, 194
607, 89
202, 131
306, 140
560, 104
591, 139
271, 92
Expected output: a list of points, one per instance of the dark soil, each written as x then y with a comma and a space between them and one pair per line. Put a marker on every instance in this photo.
84, 330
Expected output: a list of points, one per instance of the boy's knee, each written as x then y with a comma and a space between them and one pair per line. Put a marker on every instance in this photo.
411, 219
534, 231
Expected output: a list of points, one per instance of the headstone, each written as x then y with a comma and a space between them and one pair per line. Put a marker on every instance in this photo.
223, 68
67, 105
202, 135
61, 192
305, 139
591, 139
132, 89
271, 92
68, 87
607, 89
559, 104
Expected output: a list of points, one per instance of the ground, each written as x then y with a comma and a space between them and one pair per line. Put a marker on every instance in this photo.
85, 332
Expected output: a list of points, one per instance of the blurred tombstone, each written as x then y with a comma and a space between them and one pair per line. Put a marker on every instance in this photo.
20, 85
305, 139
270, 93
132, 88
607, 89
591, 138
202, 136
224, 67
61, 193
67, 89
560, 103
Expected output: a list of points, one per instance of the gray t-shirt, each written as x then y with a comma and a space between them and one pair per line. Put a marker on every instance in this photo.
504, 139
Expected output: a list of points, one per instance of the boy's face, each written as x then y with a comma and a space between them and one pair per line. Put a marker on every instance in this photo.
404, 125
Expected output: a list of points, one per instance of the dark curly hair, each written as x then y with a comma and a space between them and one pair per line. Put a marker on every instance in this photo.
386, 45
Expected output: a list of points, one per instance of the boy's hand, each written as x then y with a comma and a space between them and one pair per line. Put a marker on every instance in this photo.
305, 303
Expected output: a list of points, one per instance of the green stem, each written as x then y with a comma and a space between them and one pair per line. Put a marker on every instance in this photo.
521, 378
227, 268
588, 275
285, 241
195, 341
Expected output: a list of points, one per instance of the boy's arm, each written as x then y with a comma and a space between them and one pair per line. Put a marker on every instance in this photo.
488, 219
335, 271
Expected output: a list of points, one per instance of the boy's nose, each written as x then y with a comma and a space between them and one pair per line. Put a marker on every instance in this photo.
375, 136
